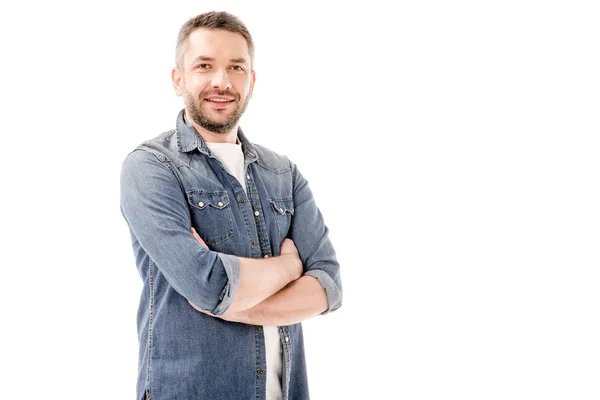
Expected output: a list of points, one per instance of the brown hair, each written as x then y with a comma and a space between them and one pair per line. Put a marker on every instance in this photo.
212, 20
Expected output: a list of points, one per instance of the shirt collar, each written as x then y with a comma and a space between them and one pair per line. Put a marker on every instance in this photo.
188, 139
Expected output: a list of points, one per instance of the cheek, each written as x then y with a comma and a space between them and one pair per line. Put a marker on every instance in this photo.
243, 88
196, 84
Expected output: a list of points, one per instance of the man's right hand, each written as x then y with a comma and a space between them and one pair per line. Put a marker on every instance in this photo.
293, 263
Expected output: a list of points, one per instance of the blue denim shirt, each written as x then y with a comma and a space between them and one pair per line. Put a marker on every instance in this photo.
173, 182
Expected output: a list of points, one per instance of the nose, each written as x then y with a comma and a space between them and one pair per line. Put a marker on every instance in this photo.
220, 80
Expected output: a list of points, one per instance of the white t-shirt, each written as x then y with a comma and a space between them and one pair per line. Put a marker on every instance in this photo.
232, 157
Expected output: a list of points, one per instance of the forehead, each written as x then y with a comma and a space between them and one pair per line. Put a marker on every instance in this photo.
216, 43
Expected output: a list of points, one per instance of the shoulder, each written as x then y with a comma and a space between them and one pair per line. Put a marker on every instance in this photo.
160, 147
271, 160
152, 153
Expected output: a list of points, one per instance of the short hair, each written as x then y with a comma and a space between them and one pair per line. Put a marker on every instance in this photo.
212, 20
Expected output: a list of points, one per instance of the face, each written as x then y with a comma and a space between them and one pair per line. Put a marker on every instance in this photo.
215, 78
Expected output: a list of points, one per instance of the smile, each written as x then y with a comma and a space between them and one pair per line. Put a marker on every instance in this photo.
219, 100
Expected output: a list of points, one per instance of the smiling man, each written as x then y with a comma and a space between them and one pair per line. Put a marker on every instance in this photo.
215, 77
230, 245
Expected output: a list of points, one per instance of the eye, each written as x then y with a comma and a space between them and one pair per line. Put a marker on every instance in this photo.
202, 66
237, 68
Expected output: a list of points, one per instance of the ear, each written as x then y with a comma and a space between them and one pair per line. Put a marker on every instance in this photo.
252, 80
177, 79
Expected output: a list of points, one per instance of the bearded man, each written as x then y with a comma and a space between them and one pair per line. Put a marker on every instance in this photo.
230, 245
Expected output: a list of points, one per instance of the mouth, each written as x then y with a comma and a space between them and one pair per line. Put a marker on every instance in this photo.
219, 101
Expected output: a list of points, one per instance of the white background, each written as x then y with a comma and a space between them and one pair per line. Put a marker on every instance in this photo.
451, 146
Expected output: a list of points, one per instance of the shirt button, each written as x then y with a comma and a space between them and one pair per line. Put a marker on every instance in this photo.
247, 176
287, 339
252, 242
260, 372
201, 204
220, 204
242, 201
257, 213
258, 329
266, 256
281, 210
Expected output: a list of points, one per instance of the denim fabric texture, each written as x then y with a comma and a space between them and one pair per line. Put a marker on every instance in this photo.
173, 182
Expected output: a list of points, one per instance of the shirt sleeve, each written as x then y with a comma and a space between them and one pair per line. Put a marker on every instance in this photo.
154, 205
311, 237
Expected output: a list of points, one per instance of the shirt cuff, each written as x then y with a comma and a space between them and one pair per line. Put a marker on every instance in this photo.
334, 295
231, 264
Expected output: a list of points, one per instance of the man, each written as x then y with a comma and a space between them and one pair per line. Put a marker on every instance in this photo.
231, 248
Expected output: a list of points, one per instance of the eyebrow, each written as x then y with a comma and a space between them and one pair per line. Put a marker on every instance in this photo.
240, 60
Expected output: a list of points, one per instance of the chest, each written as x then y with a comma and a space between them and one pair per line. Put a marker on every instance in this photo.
247, 213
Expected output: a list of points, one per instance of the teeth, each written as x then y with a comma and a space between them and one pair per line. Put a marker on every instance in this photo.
219, 100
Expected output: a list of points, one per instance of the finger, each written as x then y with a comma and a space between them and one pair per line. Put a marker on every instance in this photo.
197, 237
200, 310
287, 246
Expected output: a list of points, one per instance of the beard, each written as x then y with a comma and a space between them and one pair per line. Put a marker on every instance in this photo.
194, 110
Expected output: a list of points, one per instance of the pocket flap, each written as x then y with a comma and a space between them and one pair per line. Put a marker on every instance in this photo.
202, 199
282, 206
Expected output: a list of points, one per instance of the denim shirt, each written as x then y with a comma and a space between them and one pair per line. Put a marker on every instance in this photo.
173, 182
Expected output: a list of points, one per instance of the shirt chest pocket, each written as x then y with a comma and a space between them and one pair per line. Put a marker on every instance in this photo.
283, 210
211, 215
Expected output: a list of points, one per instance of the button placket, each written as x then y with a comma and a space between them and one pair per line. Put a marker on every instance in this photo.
284, 333
259, 218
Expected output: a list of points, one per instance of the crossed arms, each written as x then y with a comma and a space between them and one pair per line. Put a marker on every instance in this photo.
299, 284
261, 298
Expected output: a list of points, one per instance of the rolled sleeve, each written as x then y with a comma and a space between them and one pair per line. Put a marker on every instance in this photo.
232, 269
334, 295
154, 205
311, 237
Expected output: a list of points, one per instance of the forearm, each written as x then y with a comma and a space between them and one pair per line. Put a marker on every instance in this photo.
260, 278
298, 301
158, 216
